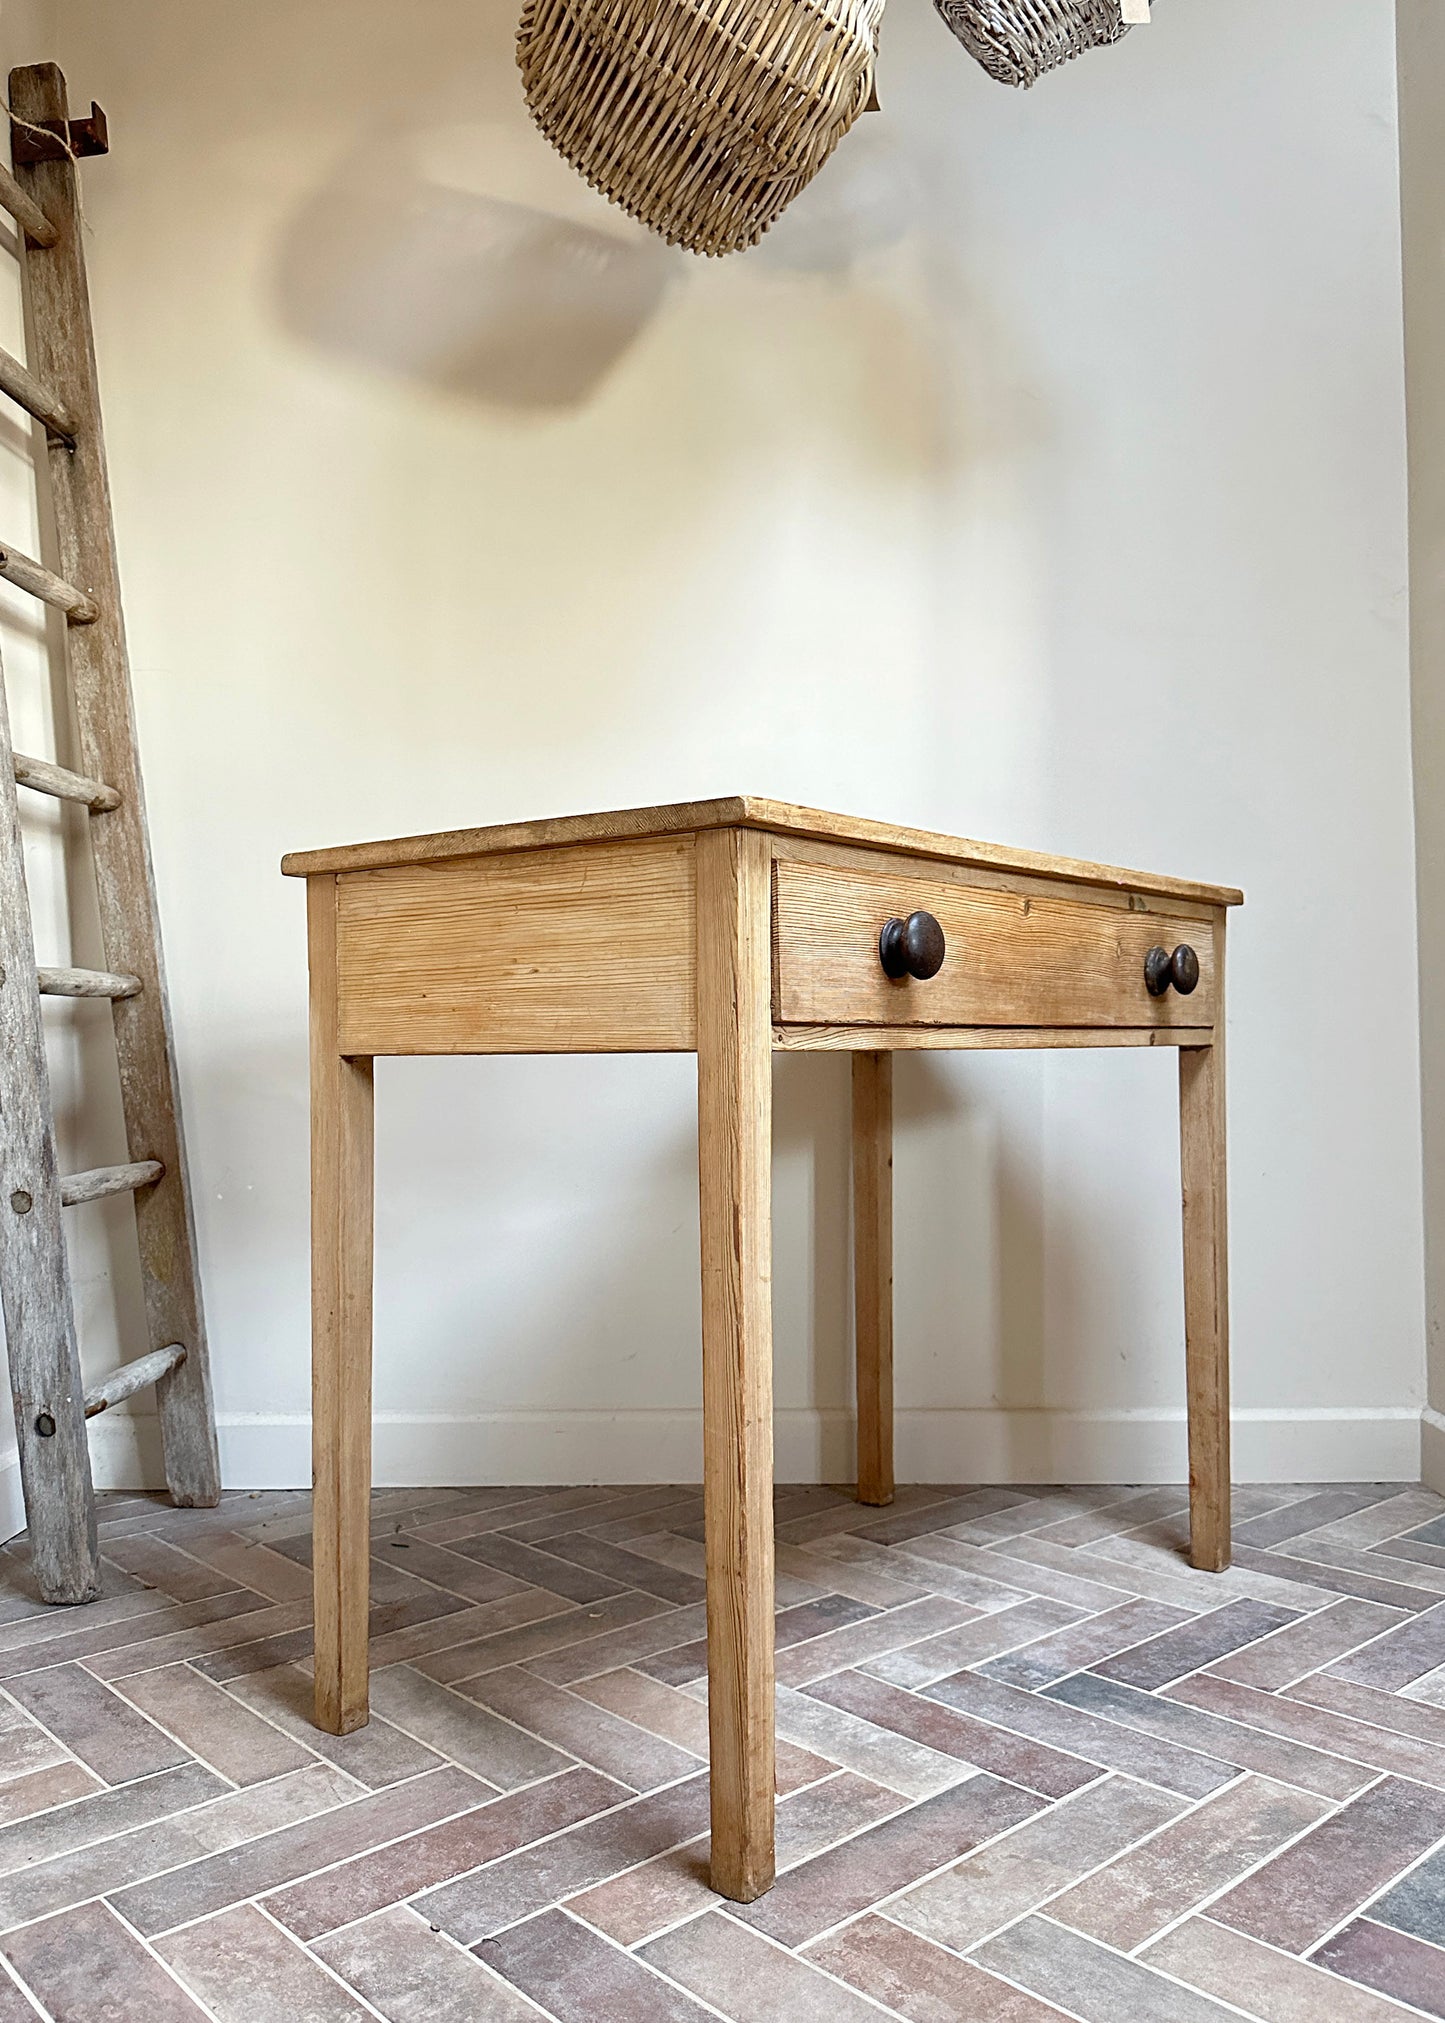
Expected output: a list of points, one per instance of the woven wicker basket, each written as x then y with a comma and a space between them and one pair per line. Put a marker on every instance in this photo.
1016, 41
703, 118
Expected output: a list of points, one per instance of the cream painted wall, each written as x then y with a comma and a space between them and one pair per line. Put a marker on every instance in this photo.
1422, 193
1041, 477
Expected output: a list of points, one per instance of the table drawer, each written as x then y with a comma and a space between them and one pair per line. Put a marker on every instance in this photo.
1013, 958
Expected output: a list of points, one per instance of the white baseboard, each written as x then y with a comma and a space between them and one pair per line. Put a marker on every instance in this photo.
12, 1497
944, 1446
1432, 1450
261, 1452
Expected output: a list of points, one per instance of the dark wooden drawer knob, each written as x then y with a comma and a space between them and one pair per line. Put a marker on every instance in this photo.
912, 947
1181, 970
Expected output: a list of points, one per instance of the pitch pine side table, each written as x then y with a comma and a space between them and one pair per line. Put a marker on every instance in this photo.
730, 928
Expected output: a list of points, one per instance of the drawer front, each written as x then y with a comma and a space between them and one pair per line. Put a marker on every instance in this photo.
1013, 958
586, 950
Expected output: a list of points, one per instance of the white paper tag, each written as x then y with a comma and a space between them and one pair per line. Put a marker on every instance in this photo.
1135, 11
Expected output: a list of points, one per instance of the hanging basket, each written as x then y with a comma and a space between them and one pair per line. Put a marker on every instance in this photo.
703, 118
1016, 41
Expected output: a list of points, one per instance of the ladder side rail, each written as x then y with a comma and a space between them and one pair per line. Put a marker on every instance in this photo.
64, 354
45, 1380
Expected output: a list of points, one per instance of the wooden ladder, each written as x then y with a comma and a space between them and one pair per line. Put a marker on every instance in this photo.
51, 1403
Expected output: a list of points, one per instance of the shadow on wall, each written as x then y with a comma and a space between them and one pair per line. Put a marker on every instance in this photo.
473, 260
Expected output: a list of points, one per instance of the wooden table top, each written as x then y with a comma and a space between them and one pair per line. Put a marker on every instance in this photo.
744, 811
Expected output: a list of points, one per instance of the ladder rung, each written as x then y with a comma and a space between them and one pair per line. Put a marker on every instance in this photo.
21, 384
25, 211
63, 785
87, 983
43, 583
133, 1377
101, 1181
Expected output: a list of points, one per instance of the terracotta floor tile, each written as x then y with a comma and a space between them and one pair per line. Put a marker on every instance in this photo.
679, 1718
1314, 1728
1416, 1904
1035, 1765
1400, 1513
243, 1968
747, 1978
159, 1564
86, 1966
1137, 1754
1368, 1586
73, 1824
245, 1561
456, 1727
1294, 1900
996, 1576
920, 1981
85, 1638
275, 1620
37, 1625
537, 1567
562, 1630
1302, 1647
521, 1884
1400, 1656
662, 1629
662, 1504
1402, 1713
908, 1767
633, 1569
1142, 1891
213, 1725
453, 1572
1173, 1653
825, 1575
465, 1626
586, 1731
1092, 1983
376, 1755
411, 1974
435, 1855
1033, 1513
642, 1902
976, 1638
1143, 1750
1388, 1961
1185, 1721
41, 1791
109, 1735
577, 1975
1024, 1868
885, 1859
1093, 1580
1039, 1663
892, 1630
1122, 1514
1263, 1982
25, 1745
219, 1880
675, 1667
900, 1526
1325, 1508
229, 1820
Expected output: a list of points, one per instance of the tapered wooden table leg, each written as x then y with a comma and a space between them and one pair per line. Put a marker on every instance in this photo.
1206, 1300
734, 1075
873, 1271
341, 1259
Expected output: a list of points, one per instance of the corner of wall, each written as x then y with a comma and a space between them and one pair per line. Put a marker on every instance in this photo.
1421, 67
1432, 1450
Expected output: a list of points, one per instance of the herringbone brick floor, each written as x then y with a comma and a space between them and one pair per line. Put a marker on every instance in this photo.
1031, 1766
